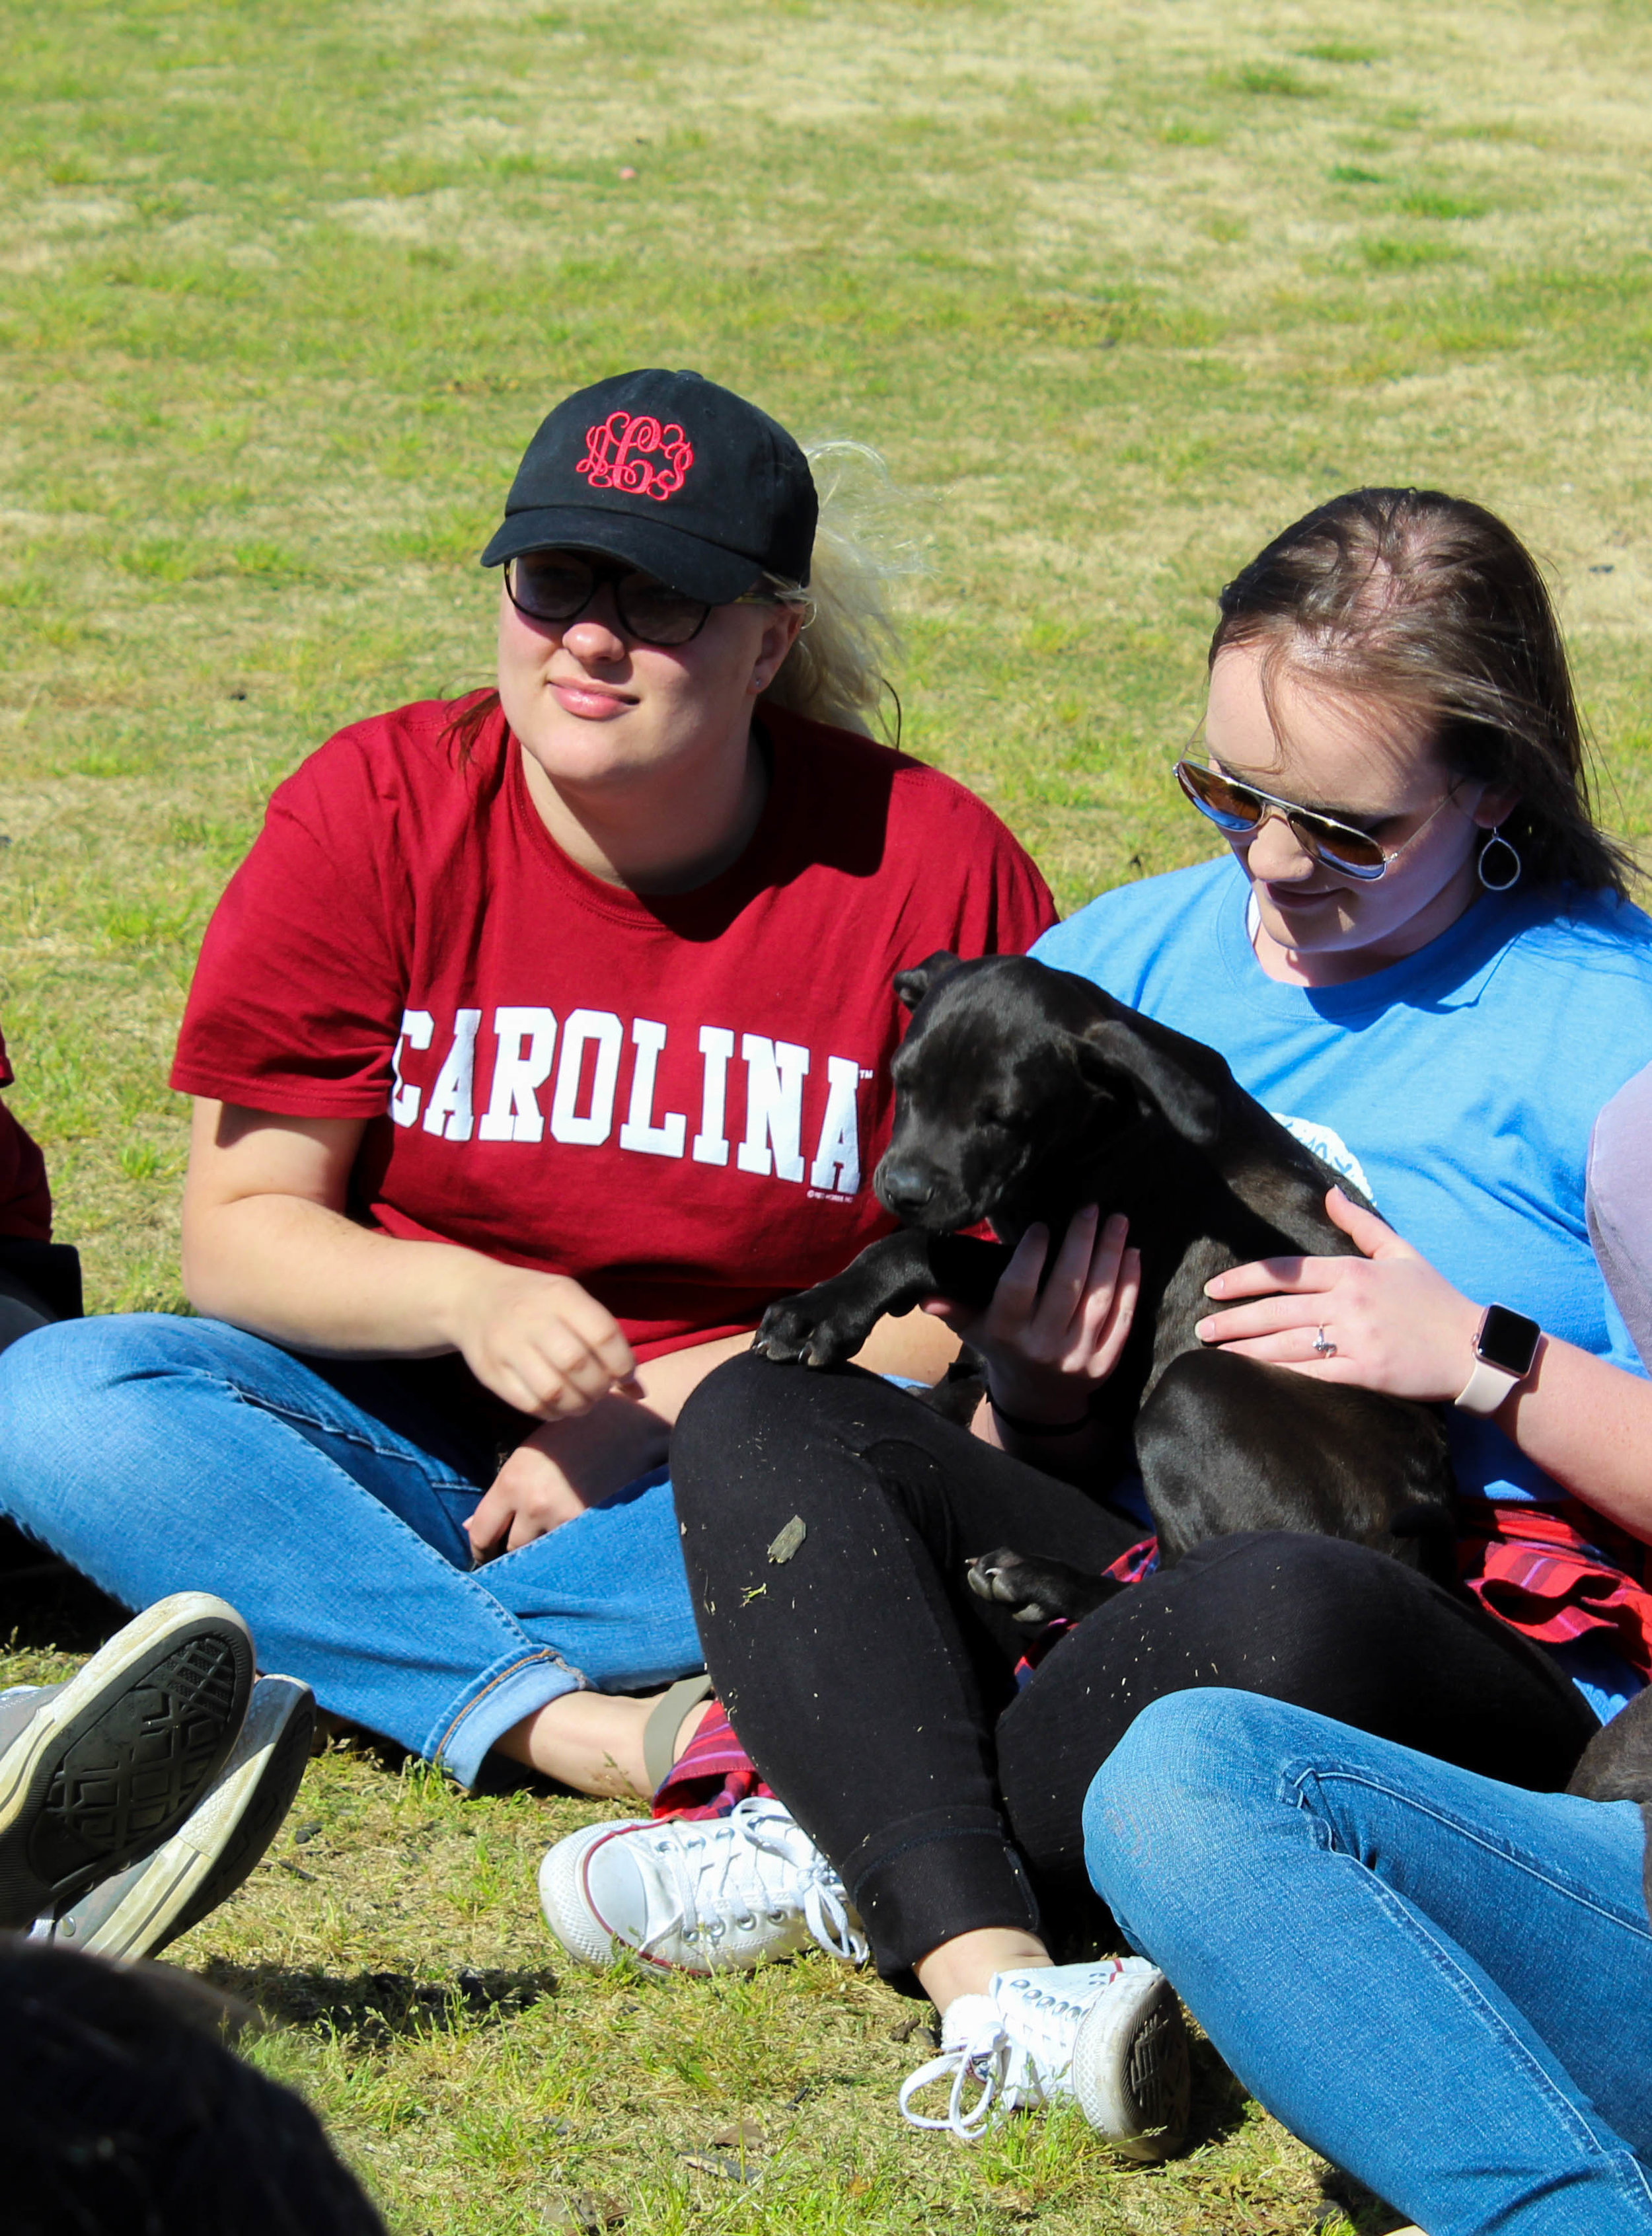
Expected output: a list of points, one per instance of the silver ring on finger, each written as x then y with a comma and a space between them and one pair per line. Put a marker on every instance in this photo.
1323, 1346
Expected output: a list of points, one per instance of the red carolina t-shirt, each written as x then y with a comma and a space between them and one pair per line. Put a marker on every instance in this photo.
25, 1198
676, 1100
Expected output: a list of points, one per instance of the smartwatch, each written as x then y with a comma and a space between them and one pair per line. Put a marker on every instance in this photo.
1506, 1349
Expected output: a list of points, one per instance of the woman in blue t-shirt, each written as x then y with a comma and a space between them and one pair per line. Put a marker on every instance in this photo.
1439, 996
1349, 1922
1418, 950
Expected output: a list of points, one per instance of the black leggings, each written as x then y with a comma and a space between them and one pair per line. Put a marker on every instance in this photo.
877, 1694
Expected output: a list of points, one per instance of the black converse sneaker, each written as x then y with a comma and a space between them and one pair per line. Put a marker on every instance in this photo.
104, 1767
139, 1910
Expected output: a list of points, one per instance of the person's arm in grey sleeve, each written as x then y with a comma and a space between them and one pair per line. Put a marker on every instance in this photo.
1618, 1204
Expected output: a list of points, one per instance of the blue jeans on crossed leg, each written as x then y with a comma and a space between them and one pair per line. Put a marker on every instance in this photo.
1443, 1984
162, 1455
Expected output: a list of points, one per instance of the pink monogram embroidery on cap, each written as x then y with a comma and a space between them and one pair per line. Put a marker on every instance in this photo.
638, 456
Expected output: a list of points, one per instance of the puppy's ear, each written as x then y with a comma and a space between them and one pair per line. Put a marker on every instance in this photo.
911, 985
1131, 1052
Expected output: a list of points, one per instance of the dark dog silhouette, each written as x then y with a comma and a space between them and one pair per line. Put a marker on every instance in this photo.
1616, 1765
1023, 1094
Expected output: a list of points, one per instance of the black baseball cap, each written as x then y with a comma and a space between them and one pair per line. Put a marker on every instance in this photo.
685, 480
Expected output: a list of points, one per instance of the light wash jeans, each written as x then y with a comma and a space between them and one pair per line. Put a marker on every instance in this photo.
1443, 1984
163, 1454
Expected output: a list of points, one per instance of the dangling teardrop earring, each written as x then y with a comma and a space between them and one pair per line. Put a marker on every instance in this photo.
1500, 853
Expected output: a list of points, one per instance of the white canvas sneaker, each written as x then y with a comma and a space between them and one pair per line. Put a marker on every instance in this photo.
1110, 2035
698, 1894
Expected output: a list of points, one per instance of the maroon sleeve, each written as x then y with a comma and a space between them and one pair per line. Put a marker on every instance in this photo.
296, 1000
966, 862
1021, 907
25, 1197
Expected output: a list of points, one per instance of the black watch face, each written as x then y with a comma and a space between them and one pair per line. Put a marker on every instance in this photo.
1508, 1340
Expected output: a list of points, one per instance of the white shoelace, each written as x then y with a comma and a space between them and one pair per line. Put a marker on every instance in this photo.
757, 1860
981, 2054
1019, 2057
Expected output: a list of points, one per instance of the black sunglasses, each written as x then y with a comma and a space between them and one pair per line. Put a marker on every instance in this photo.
557, 586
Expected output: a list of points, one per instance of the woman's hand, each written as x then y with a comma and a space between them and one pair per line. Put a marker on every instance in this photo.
1046, 1351
538, 1340
1398, 1325
267, 1245
563, 1468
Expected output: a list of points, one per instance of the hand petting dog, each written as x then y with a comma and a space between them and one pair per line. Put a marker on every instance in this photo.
1045, 1349
1386, 1321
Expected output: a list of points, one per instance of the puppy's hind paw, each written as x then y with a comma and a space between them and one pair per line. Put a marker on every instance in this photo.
1037, 1592
1005, 1579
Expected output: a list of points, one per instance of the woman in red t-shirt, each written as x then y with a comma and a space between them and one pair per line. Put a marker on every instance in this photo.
537, 1045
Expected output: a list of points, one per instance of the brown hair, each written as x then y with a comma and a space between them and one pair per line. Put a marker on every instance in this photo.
1427, 600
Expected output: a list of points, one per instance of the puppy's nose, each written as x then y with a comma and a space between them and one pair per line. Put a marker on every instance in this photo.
905, 1188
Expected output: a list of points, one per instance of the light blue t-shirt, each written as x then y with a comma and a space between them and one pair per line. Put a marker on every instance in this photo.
1457, 1086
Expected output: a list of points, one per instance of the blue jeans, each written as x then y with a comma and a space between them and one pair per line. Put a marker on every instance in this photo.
1443, 1984
163, 1454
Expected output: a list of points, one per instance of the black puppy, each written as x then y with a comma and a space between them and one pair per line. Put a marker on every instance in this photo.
1024, 1093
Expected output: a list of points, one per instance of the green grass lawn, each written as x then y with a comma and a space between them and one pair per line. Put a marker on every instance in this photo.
1118, 291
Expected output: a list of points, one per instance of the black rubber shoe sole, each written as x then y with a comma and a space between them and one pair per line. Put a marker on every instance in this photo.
116, 1759
137, 1912
1160, 2080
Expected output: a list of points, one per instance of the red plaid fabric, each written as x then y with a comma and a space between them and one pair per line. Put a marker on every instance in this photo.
1553, 1572
1559, 1573
1138, 1561
713, 1773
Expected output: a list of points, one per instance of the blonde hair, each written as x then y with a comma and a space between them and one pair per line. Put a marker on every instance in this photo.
836, 672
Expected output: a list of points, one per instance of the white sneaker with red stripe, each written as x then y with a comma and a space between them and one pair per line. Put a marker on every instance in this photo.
713, 1894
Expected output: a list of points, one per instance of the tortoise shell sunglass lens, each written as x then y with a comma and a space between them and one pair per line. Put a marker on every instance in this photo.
1239, 809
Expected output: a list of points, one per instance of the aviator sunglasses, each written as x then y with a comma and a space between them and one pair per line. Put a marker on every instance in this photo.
557, 586
1239, 811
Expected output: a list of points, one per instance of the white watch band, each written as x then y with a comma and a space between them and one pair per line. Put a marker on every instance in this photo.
1485, 1389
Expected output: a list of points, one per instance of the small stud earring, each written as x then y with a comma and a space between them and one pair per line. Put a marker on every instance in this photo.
1500, 853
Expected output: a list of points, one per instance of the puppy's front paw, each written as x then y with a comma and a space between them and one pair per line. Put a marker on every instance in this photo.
806, 1327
